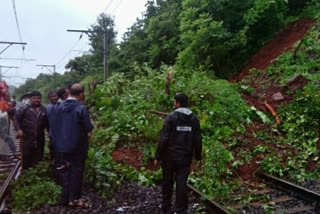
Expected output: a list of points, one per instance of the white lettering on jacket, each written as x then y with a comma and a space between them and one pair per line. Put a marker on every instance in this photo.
184, 128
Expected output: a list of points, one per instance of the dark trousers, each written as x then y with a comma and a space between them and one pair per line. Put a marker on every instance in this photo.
32, 152
51, 149
70, 170
179, 172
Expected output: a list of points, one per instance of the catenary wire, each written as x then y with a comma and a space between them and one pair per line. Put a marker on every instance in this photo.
107, 6
115, 9
75, 44
20, 37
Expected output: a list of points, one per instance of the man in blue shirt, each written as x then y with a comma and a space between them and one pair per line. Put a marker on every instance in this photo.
71, 127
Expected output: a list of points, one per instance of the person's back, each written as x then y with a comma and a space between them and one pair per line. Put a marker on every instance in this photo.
70, 136
180, 138
71, 130
182, 142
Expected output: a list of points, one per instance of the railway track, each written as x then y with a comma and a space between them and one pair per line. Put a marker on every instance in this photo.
9, 170
211, 206
279, 196
273, 195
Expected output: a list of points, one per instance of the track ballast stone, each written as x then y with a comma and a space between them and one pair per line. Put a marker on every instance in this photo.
130, 198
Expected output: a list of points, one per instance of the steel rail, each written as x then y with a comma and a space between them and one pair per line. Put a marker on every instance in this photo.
212, 206
5, 185
291, 188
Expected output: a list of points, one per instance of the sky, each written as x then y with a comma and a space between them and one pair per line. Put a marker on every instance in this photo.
43, 25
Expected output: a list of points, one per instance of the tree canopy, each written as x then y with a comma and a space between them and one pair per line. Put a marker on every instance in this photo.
215, 36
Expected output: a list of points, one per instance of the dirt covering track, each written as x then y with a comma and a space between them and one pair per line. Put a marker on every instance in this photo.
274, 48
131, 198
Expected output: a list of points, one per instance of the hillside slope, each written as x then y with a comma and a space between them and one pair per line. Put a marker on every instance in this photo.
274, 48
283, 84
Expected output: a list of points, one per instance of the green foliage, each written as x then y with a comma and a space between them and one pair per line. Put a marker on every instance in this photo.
100, 171
36, 195
300, 119
125, 109
307, 9
105, 174
206, 35
35, 188
163, 33
272, 164
301, 116
220, 36
209, 180
216, 36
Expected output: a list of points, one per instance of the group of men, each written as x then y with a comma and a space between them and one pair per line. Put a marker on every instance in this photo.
68, 123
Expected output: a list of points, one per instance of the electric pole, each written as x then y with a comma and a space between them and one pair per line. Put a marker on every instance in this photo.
105, 48
53, 71
11, 43
2, 73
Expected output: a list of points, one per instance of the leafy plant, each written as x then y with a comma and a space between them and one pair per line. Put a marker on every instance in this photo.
36, 195
35, 188
273, 165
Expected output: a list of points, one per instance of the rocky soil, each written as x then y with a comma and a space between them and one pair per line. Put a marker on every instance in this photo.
131, 198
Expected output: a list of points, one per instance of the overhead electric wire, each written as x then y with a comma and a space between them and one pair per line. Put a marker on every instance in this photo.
107, 6
16, 17
72, 48
19, 32
82, 49
75, 44
115, 9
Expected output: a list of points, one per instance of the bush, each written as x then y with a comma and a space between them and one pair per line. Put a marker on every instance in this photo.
35, 188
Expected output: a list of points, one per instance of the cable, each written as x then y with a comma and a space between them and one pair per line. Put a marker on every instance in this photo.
75, 44
79, 52
17, 23
16, 17
115, 9
107, 6
19, 32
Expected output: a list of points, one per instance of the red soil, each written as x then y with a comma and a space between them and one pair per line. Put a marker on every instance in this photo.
284, 41
264, 89
128, 156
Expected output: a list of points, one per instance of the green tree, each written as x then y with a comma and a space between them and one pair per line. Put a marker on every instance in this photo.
220, 35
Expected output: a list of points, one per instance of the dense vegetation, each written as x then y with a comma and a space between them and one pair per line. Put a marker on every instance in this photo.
217, 37
301, 120
199, 42
35, 188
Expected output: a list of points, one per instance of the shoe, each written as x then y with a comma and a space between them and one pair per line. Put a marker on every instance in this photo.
77, 203
62, 203
167, 211
183, 212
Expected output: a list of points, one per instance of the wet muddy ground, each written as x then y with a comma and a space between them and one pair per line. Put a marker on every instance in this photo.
129, 199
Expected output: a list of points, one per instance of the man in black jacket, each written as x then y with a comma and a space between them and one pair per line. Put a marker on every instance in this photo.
70, 137
30, 123
180, 139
